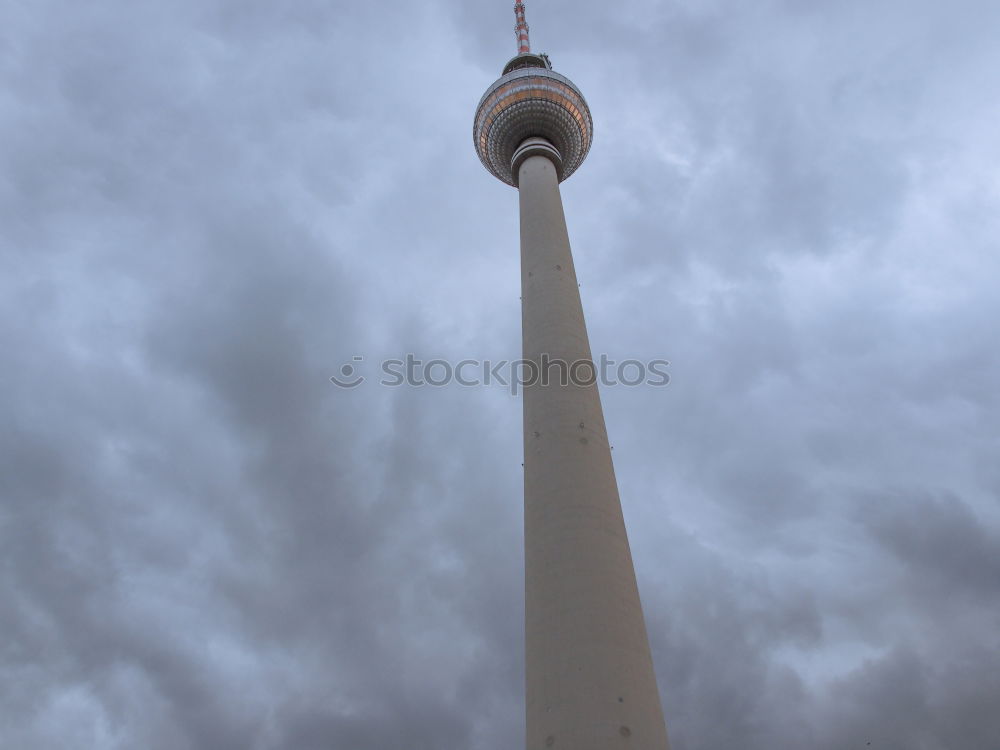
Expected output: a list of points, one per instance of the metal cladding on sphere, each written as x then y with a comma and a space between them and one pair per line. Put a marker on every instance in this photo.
532, 101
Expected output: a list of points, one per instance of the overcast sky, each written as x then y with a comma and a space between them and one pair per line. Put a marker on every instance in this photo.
207, 207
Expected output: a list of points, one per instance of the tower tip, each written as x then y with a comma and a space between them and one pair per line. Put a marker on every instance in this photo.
523, 44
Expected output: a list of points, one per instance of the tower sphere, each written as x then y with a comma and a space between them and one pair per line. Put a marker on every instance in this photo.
530, 100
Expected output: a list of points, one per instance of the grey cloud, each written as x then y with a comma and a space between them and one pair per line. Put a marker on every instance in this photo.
206, 208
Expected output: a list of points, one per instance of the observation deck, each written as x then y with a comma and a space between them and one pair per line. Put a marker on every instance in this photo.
530, 100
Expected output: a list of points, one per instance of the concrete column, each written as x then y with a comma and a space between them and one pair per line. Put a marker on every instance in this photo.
590, 681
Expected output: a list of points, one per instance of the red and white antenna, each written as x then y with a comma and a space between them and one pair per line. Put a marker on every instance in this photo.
523, 45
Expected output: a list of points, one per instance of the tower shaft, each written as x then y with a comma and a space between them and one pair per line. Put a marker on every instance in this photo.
589, 674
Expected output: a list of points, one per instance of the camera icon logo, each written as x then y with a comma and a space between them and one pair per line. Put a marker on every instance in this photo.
349, 376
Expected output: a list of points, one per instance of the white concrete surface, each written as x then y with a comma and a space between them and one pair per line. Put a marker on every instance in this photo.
590, 681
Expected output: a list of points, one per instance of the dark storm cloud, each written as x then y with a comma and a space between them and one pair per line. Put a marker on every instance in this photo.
207, 208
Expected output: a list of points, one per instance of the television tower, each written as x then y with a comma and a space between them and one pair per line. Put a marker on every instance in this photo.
590, 683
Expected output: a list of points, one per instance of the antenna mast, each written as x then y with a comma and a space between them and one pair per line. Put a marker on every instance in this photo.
523, 45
